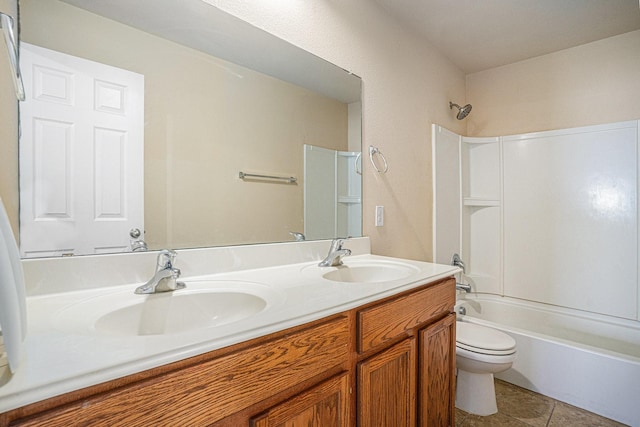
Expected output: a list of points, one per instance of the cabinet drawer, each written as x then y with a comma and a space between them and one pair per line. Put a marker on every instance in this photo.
385, 321
205, 393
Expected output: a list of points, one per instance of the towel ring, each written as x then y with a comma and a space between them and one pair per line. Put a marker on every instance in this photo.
374, 150
355, 164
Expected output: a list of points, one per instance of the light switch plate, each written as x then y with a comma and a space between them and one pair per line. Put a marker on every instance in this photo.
379, 216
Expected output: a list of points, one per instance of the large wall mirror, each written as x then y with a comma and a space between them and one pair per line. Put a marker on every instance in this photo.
207, 96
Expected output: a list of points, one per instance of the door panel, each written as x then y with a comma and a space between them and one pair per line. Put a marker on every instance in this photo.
437, 368
386, 387
326, 405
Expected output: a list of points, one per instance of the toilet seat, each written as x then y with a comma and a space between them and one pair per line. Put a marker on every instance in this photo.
483, 340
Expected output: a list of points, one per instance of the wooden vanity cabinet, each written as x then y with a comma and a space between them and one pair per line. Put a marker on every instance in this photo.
389, 363
221, 388
406, 368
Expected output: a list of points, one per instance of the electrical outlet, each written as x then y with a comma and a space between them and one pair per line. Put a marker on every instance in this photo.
379, 216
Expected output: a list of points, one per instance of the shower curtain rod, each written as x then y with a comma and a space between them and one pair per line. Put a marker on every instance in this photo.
6, 23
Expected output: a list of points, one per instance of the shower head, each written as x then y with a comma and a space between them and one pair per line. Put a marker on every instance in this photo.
462, 111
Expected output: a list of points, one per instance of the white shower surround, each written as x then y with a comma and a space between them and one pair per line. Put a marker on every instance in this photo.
547, 224
550, 217
569, 205
586, 360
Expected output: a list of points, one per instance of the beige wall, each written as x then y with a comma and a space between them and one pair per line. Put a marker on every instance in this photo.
590, 84
407, 86
8, 131
205, 120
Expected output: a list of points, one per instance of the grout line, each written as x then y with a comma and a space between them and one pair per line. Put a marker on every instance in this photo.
551, 413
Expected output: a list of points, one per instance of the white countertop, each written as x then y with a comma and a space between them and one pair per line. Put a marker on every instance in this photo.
60, 357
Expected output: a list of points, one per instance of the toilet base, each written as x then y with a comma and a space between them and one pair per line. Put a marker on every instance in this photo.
476, 393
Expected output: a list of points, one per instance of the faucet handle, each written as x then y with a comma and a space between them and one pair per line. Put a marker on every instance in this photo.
299, 237
166, 259
457, 261
336, 244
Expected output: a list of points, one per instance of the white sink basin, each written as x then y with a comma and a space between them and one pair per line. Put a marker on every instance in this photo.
353, 271
170, 313
368, 273
203, 304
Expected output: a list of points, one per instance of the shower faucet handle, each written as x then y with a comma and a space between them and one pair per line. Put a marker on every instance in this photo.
457, 262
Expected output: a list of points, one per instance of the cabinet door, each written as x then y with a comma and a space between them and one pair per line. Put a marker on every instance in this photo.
386, 387
326, 405
437, 373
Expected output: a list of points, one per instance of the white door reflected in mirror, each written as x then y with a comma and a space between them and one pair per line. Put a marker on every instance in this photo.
81, 155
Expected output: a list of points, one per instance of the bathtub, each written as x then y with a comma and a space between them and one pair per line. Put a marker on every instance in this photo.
584, 359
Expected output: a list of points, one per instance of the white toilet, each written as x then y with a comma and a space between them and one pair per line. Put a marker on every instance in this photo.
480, 352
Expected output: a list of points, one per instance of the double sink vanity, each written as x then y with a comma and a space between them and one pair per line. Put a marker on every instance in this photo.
261, 335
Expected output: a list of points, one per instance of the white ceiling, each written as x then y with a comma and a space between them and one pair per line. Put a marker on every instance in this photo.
481, 34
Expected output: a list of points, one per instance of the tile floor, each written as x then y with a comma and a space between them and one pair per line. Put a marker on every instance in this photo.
518, 407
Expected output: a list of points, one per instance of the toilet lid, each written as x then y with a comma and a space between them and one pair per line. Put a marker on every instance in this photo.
482, 339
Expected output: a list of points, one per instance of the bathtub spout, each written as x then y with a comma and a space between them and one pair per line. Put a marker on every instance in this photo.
463, 287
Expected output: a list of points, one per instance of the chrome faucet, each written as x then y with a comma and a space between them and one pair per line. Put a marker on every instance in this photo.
463, 287
334, 258
299, 237
165, 278
457, 262
137, 243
